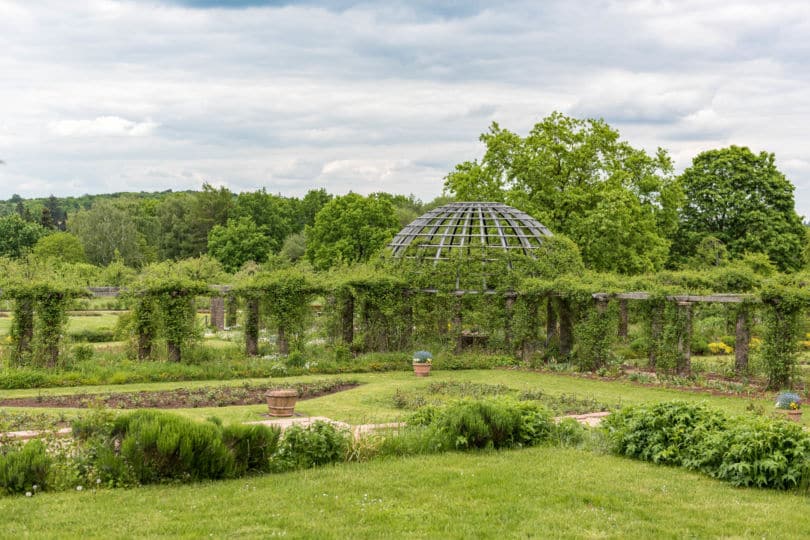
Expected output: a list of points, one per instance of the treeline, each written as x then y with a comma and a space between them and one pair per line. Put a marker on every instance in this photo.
626, 210
137, 229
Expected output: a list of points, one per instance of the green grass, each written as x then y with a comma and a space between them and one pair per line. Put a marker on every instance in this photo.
372, 402
536, 493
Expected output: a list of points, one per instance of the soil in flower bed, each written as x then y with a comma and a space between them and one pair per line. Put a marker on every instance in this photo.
181, 398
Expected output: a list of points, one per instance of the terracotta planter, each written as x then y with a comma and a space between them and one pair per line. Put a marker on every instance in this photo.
421, 369
281, 402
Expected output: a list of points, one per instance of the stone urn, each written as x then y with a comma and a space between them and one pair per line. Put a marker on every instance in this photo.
281, 402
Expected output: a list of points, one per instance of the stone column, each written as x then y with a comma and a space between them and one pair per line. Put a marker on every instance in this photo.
684, 366
742, 338
623, 319
218, 312
252, 327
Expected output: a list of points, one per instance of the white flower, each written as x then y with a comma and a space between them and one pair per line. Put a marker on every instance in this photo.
79, 488
28, 494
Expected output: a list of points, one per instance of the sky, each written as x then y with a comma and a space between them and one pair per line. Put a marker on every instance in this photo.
100, 96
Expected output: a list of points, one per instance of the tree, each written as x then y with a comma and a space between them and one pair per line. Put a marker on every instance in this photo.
295, 246
308, 207
107, 230
238, 242
577, 177
743, 200
271, 213
18, 236
61, 245
350, 229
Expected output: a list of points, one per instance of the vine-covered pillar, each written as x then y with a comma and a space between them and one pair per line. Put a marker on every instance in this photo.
741, 339
623, 317
218, 312
530, 336
566, 327
179, 316
51, 309
231, 306
684, 365
552, 335
779, 346
23, 326
252, 326
509, 304
144, 314
458, 322
656, 330
282, 343
347, 319
407, 316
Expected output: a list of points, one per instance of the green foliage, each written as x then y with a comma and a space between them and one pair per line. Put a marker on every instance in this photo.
665, 433
238, 242
320, 443
160, 446
761, 452
23, 468
252, 447
491, 423
741, 199
294, 247
18, 236
616, 202
350, 229
61, 245
272, 215
107, 231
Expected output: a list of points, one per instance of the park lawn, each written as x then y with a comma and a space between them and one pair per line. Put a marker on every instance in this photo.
373, 400
533, 493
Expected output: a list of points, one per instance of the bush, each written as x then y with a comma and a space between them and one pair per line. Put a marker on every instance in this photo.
93, 335
162, 446
662, 433
492, 423
251, 446
83, 353
23, 468
320, 443
761, 452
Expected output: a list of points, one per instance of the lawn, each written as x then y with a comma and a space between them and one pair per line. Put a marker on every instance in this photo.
373, 401
535, 493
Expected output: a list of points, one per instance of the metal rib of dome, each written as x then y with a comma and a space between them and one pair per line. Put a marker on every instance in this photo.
465, 225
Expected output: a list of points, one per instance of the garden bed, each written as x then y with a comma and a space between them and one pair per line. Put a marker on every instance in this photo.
181, 398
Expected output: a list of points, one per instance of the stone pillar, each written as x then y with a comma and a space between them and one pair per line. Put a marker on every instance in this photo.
552, 332
347, 320
252, 327
458, 325
509, 304
218, 312
566, 327
281, 341
684, 366
656, 329
230, 310
24, 310
623, 319
742, 338
527, 344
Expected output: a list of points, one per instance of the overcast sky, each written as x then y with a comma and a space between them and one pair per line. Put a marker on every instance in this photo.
99, 96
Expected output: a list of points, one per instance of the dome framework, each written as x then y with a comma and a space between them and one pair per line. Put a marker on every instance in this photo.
468, 226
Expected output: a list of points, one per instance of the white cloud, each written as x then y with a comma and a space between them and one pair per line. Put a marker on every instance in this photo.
104, 95
102, 126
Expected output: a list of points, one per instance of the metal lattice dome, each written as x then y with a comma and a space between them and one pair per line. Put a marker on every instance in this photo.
466, 226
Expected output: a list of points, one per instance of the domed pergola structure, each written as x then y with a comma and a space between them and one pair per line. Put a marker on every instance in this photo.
466, 226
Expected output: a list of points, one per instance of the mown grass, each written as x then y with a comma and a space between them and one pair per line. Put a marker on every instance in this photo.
373, 400
536, 493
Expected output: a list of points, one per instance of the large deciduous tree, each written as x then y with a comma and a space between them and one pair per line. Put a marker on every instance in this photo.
107, 231
743, 200
238, 242
350, 229
18, 236
617, 203
61, 245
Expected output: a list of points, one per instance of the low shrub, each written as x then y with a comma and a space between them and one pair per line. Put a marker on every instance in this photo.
662, 433
492, 423
318, 444
761, 451
22, 468
161, 446
93, 335
252, 447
